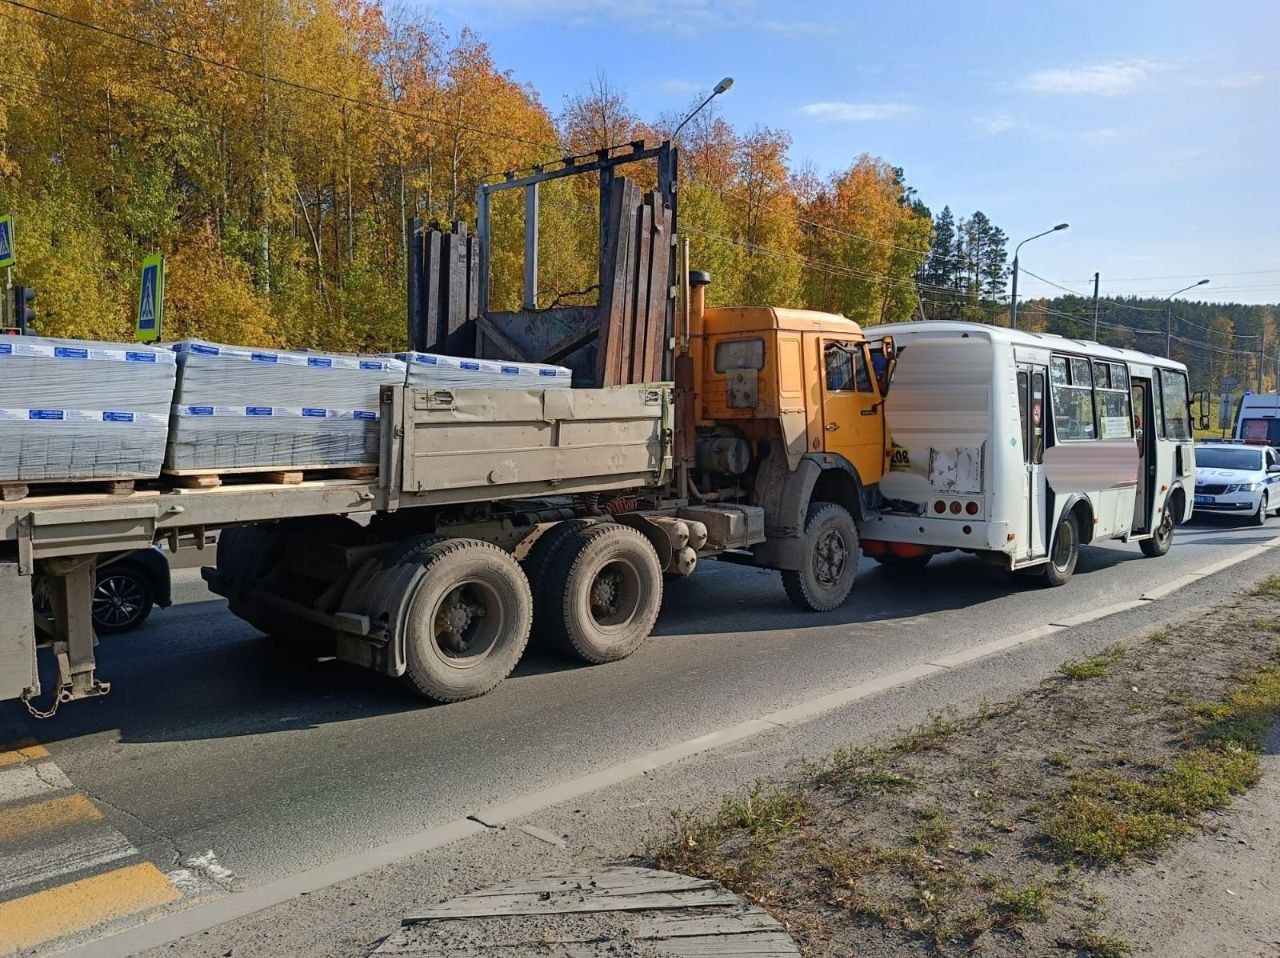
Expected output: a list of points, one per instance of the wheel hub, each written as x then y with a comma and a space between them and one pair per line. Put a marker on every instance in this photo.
604, 593
456, 616
831, 556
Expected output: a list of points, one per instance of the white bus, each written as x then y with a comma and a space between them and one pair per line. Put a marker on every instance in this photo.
1022, 447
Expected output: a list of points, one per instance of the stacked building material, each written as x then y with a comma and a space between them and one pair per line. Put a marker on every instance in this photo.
240, 409
75, 410
428, 369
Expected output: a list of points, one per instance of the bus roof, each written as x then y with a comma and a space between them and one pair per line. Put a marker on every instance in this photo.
1019, 337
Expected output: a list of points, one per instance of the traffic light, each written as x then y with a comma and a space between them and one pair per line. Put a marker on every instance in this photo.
24, 310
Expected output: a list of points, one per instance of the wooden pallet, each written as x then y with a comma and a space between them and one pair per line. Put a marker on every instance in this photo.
17, 491
292, 476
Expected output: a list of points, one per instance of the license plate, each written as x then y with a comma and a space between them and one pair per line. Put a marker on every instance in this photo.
1204, 500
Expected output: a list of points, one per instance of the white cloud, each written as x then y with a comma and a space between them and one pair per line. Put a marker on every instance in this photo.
1096, 79
995, 125
678, 87
1233, 81
842, 112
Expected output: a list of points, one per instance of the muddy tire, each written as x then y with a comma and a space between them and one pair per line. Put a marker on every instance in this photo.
1064, 553
831, 560
410, 549
601, 593
1160, 542
468, 620
537, 565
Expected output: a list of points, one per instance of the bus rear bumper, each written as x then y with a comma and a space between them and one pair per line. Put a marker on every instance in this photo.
894, 527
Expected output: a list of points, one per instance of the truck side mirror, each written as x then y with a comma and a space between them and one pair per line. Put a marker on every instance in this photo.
888, 349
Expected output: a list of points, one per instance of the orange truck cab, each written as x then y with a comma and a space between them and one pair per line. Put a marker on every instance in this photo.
789, 413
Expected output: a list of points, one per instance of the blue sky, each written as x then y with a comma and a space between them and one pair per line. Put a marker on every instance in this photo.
1152, 127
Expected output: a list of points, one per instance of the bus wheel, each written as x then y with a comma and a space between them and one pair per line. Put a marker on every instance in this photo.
831, 560
468, 621
605, 583
1160, 542
1065, 552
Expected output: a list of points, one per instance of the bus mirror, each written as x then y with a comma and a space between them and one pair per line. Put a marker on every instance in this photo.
887, 349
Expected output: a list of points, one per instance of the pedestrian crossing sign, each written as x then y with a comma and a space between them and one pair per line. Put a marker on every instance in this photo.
150, 300
8, 250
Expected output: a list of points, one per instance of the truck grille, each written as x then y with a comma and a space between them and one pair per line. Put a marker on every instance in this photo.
1207, 490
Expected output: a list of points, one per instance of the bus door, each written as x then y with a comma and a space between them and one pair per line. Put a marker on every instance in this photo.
1031, 409
1144, 430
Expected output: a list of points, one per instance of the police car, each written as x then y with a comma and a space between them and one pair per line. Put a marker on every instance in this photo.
1236, 478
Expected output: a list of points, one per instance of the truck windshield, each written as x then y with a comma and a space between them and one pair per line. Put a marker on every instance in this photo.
1209, 457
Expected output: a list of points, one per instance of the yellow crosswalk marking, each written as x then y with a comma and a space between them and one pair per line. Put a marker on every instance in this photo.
45, 816
50, 914
23, 752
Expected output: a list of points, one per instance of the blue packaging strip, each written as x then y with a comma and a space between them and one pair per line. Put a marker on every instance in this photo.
430, 369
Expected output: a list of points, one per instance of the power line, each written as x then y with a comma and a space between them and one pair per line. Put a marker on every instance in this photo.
269, 78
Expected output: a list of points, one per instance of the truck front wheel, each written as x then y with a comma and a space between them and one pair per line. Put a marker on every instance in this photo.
831, 560
605, 583
468, 621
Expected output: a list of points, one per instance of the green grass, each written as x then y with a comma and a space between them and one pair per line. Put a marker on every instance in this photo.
1270, 586
1097, 945
1110, 815
1026, 904
1104, 663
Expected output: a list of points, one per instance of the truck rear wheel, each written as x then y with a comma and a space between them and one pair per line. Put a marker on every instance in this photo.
536, 565
831, 560
602, 593
468, 620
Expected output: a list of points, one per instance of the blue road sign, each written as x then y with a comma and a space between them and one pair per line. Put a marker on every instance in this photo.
8, 248
150, 300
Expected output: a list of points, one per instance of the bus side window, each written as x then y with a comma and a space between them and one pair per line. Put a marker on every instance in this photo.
1177, 408
1037, 416
1024, 416
1157, 406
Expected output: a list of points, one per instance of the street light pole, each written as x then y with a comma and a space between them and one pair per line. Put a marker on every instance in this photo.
719, 88
1013, 298
1168, 317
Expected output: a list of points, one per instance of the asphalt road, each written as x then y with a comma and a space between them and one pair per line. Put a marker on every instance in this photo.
214, 740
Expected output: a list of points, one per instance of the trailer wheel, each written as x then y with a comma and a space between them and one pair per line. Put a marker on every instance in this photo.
468, 620
411, 549
602, 593
536, 567
831, 560
1064, 553
1162, 539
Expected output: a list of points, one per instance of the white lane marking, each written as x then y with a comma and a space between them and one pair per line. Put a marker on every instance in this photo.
1173, 585
45, 862
24, 781
1236, 559
238, 905
1093, 615
965, 656
185, 880
209, 866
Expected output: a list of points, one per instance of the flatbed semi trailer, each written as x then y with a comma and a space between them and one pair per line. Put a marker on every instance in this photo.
497, 515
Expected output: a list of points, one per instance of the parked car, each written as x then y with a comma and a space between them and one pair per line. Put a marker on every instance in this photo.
128, 588
1238, 479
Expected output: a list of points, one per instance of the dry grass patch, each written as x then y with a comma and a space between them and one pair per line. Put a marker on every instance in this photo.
978, 834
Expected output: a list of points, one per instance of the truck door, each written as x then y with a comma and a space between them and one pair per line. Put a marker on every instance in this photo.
852, 412
1031, 409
